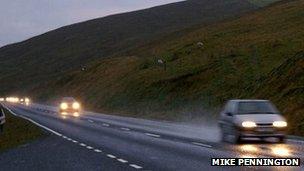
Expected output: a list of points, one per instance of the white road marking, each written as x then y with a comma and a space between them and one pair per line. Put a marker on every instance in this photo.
104, 124
111, 156
153, 135
82, 144
201, 144
97, 151
125, 129
89, 147
122, 160
135, 166
41, 126
90, 121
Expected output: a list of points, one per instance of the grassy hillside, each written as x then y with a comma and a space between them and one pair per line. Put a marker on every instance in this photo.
285, 85
258, 55
49, 55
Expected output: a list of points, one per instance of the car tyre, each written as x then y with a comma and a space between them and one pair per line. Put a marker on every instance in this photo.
235, 136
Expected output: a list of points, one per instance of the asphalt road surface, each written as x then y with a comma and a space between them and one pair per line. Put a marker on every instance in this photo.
103, 142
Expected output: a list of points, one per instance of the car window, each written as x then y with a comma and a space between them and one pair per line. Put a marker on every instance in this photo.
256, 108
68, 99
229, 107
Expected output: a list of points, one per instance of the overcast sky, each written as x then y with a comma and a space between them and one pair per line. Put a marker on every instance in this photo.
22, 19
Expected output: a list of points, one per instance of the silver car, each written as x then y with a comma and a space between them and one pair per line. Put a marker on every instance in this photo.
2, 120
251, 118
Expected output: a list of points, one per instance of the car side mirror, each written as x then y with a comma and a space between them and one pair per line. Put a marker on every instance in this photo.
229, 114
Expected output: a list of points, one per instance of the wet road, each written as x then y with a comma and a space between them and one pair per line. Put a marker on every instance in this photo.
136, 144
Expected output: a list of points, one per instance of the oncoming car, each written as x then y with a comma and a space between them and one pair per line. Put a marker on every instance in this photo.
251, 119
69, 106
25, 101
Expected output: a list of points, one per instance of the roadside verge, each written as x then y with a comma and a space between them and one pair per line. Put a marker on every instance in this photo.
18, 131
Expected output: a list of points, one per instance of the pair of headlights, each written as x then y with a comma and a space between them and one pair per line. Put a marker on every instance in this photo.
75, 105
278, 124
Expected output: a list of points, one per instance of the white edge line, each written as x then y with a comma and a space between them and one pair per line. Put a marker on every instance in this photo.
2, 111
44, 127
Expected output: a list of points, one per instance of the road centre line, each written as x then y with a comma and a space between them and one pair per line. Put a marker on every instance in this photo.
152, 135
135, 166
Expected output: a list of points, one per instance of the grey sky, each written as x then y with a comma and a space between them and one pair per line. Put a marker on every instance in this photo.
22, 19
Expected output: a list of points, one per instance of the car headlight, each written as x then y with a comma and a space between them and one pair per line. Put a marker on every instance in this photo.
279, 124
63, 106
76, 105
248, 124
27, 100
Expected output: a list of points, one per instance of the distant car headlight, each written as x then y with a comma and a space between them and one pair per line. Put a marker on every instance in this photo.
27, 100
63, 106
248, 124
279, 124
76, 105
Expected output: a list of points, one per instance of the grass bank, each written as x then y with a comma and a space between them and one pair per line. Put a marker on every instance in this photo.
17, 131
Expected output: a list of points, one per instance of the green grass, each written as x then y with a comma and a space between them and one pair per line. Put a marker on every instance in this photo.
18, 131
238, 60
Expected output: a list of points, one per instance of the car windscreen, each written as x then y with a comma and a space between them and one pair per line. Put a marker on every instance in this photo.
68, 100
256, 108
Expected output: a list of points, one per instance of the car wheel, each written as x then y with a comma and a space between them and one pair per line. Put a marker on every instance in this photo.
235, 136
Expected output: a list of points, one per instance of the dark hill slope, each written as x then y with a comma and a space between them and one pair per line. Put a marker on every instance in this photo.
49, 55
253, 56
